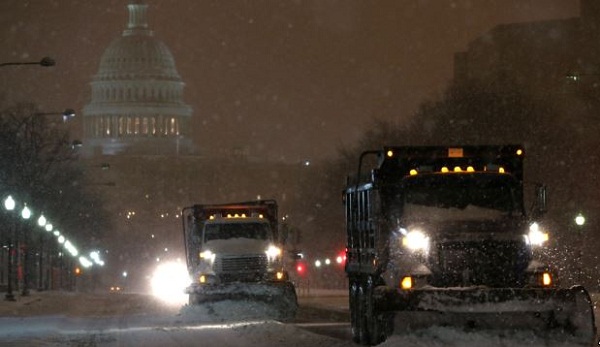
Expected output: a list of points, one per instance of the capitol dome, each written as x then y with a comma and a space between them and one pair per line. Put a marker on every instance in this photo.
137, 96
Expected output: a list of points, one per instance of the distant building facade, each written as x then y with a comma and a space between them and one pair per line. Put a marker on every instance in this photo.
541, 58
557, 64
137, 97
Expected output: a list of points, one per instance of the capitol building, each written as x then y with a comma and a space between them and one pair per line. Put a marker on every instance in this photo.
137, 103
139, 155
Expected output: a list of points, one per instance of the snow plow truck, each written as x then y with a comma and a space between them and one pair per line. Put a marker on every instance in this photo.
234, 252
440, 236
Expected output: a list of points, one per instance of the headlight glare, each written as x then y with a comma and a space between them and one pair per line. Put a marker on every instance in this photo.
416, 240
536, 237
273, 252
207, 255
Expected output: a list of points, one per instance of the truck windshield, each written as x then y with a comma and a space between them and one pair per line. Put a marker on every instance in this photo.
224, 231
460, 196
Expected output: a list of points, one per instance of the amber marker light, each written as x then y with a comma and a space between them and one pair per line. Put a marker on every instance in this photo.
406, 282
546, 279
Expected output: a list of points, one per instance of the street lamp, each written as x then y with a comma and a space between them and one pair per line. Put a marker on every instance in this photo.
9, 205
26, 214
580, 221
67, 114
46, 62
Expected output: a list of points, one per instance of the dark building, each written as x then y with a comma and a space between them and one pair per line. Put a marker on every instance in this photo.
540, 57
557, 64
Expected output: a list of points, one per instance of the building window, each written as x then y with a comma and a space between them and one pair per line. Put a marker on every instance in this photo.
121, 130
145, 125
173, 127
129, 126
136, 127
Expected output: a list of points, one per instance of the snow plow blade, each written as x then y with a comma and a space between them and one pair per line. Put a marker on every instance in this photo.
282, 295
568, 312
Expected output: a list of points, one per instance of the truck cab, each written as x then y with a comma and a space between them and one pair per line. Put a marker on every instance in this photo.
440, 235
234, 252
237, 248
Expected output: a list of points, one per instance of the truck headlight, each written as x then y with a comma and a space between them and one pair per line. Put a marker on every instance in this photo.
416, 240
536, 237
273, 252
207, 255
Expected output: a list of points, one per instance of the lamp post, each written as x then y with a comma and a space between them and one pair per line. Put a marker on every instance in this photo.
25, 214
67, 114
9, 205
46, 62
42, 223
580, 222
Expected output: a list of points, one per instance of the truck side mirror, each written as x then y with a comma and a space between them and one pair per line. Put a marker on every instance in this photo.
540, 192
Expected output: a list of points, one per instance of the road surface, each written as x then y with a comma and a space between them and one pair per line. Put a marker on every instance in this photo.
80, 319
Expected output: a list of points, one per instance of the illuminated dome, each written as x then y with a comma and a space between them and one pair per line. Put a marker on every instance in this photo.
137, 96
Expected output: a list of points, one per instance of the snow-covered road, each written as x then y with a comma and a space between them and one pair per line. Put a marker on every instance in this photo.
88, 320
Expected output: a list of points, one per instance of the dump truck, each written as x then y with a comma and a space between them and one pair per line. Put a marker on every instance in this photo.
234, 252
441, 236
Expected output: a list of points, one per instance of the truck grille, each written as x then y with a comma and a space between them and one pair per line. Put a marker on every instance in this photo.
492, 263
241, 264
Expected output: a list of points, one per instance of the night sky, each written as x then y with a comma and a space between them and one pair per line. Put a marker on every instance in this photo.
289, 80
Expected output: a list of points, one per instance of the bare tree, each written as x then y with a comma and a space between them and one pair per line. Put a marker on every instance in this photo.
39, 165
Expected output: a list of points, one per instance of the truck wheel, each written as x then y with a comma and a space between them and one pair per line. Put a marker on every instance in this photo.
376, 330
354, 311
363, 323
582, 320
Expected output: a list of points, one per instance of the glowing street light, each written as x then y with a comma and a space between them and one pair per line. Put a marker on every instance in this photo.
26, 212
41, 221
9, 205
580, 220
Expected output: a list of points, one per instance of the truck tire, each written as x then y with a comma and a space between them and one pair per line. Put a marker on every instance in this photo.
363, 320
375, 321
583, 320
288, 303
354, 311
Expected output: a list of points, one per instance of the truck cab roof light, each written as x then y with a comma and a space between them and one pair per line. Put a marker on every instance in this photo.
546, 279
413, 172
406, 283
470, 169
444, 169
457, 169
